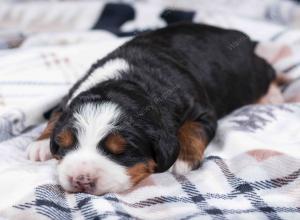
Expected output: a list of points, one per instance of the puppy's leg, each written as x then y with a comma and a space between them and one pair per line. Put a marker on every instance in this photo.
192, 141
193, 137
273, 96
39, 150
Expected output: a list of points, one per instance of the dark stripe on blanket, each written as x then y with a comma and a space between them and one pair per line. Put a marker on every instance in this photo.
244, 188
197, 198
85, 205
277, 182
51, 202
114, 201
291, 67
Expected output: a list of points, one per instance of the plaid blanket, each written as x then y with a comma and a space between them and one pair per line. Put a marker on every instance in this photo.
251, 168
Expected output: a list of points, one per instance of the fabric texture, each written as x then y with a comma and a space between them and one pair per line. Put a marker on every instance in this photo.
251, 168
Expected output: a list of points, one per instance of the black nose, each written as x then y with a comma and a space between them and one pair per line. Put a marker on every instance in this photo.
83, 183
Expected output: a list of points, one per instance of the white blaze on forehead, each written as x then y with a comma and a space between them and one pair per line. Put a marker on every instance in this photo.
110, 70
93, 122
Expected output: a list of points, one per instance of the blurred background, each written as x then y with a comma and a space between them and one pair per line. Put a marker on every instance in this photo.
20, 20
46, 45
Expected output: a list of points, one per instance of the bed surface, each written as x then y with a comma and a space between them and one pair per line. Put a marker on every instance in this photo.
251, 169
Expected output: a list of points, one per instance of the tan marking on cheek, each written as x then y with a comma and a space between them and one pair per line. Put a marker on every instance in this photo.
140, 171
65, 138
50, 126
115, 143
193, 141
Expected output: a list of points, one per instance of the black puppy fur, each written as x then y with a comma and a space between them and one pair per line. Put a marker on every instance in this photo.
182, 72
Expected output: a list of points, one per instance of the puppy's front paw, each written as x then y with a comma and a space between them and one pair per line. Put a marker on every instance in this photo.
39, 150
181, 167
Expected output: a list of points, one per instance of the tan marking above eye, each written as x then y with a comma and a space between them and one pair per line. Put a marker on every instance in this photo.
65, 138
115, 143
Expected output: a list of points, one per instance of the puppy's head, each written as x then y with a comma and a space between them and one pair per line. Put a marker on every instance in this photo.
101, 151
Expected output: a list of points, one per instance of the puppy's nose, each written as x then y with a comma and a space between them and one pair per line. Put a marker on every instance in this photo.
83, 183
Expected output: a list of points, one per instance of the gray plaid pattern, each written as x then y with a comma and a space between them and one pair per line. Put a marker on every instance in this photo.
50, 200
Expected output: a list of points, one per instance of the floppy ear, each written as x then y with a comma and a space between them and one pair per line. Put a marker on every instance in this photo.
50, 126
54, 147
166, 149
161, 129
55, 115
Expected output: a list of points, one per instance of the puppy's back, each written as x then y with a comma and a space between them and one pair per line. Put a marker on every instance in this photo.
201, 59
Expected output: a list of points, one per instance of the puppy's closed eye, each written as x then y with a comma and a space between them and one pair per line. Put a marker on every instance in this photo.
65, 139
115, 143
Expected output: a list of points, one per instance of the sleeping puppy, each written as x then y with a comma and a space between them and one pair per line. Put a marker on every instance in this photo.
151, 105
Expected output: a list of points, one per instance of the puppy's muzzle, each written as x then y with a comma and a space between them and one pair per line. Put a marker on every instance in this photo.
83, 183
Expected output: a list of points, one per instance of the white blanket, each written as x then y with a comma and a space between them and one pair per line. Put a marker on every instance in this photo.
250, 171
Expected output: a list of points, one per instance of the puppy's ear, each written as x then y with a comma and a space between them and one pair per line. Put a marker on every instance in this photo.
54, 147
47, 133
55, 116
166, 149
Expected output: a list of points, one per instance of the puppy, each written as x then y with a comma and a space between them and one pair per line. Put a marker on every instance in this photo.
151, 105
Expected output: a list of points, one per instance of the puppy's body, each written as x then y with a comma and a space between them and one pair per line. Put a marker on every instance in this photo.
151, 102
208, 65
